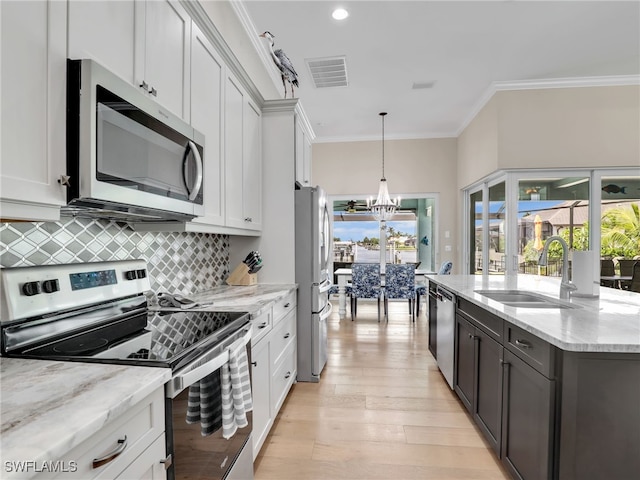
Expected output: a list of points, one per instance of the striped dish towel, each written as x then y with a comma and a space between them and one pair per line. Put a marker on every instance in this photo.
236, 391
204, 404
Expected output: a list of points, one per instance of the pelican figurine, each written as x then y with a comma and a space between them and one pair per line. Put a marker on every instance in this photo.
283, 63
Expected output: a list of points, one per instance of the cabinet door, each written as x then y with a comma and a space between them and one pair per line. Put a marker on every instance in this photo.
166, 53
147, 466
526, 420
261, 391
252, 167
487, 410
303, 156
465, 361
33, 101
207, 77
233, 112
109, 41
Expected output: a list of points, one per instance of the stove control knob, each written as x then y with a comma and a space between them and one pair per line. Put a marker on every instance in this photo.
130, 275
142, 273
31, 288
50, 286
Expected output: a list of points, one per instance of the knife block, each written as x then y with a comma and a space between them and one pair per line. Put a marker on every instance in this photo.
241, 276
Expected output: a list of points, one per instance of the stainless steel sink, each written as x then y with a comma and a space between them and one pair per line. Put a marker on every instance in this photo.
523, 299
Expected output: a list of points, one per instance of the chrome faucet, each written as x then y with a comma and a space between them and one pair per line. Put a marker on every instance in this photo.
566, 287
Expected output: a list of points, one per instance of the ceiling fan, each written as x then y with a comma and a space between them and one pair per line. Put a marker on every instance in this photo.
353, 206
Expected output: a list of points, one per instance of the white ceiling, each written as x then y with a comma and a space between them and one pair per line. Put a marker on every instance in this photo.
469, 49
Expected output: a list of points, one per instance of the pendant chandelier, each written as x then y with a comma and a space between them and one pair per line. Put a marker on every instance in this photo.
384, 208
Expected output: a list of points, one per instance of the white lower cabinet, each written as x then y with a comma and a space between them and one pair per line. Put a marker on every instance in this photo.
273, 372
260, 377
131, 446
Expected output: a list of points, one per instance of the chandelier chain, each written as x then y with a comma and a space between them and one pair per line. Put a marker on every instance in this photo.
382, 114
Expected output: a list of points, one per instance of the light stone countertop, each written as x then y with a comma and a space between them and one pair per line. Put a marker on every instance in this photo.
47, 408
608, 323
253, 299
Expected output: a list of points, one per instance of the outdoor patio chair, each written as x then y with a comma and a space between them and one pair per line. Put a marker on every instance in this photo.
635, 278
400, 282
626, 270
365, 283
607, 270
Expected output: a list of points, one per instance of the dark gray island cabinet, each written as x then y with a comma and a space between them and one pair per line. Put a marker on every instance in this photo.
547, 413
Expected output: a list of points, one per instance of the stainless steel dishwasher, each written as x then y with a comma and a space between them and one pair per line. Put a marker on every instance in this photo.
445, 333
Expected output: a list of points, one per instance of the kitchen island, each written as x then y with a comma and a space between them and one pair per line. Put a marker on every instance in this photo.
554, 388
608, 323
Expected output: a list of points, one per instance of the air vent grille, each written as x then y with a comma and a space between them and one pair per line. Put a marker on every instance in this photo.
328, 71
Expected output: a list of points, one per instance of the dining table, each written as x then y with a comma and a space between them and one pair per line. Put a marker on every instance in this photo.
616, 279
344, 276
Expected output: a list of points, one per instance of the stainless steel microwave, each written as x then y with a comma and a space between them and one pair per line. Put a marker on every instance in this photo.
128, 157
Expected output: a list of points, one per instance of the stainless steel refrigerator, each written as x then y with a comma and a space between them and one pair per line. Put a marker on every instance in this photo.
313, 276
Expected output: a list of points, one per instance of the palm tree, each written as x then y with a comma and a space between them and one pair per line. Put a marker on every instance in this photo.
621, 231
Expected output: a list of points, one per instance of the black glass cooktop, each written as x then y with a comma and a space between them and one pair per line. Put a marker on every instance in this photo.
159, 338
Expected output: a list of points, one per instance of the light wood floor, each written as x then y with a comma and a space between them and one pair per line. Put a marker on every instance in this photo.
382, 410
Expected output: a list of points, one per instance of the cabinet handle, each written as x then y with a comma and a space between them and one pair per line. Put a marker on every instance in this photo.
523, 344
248, 219
64, 180
144, 85
153, 91
255, 364
286, 305
472, 336
167, 462
263, 325
287, 375
98, 462
286, 335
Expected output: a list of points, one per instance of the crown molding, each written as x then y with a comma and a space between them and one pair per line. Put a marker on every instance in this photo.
372, 138
258, 44
569, 82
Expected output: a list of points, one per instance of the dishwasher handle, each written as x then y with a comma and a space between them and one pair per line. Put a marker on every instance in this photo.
443, 294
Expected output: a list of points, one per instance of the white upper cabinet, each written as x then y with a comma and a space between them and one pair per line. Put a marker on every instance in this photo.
207, 79
33, 105
303, 154
111, 41
145, 42
164, 50
242, 158
252, 166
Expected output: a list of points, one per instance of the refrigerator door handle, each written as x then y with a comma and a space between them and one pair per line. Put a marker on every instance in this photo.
325, 285
326, 312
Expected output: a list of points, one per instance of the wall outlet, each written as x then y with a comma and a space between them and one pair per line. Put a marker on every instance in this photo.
447, 248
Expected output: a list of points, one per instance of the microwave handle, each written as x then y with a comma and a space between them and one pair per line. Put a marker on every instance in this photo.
196, 185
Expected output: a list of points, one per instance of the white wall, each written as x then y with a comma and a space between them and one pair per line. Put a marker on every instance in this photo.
411, 167
569, 127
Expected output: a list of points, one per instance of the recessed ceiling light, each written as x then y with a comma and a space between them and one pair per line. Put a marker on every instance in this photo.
340, 14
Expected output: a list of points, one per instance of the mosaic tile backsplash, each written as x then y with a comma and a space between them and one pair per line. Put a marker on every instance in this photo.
178, 262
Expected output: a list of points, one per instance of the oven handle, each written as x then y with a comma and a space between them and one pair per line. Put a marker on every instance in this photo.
182, 381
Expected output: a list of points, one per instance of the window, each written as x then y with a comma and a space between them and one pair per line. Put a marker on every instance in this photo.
530, 206
409, 236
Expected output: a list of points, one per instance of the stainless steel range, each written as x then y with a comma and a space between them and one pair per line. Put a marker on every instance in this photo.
98, 312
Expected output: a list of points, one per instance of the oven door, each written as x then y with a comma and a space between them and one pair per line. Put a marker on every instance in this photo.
196, 454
